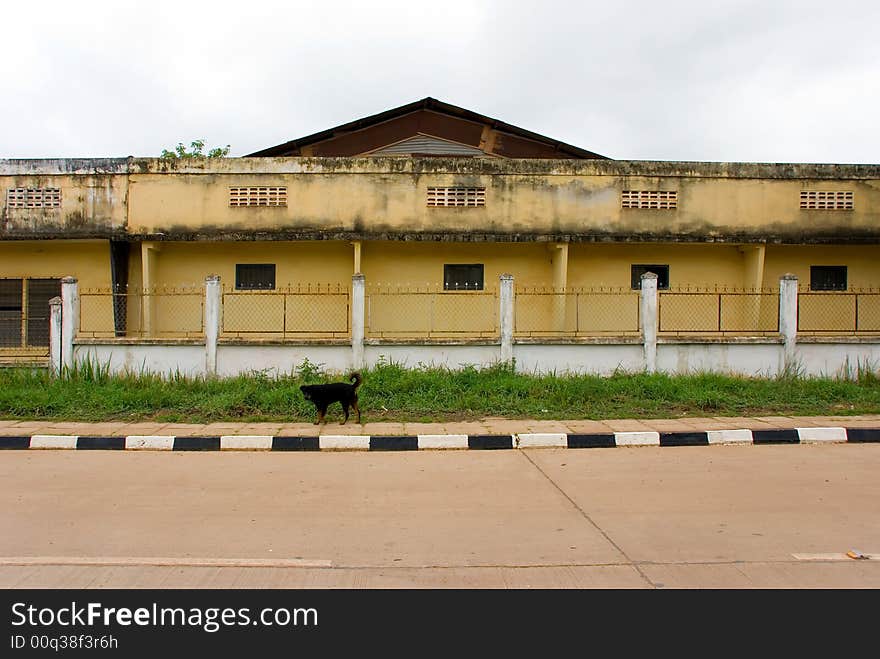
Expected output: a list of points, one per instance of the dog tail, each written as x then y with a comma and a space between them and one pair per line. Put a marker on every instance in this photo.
356, 378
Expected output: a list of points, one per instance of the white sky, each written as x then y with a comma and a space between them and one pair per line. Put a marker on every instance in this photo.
712, 80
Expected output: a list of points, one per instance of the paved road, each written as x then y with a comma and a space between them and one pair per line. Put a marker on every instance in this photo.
641, 517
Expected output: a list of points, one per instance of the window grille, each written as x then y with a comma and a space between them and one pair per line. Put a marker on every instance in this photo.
254, 276
650, 199
827, 277
453, 196
33, 198
463, 277
827, 200
258, 196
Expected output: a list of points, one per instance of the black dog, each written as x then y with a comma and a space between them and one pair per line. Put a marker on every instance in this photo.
321, 395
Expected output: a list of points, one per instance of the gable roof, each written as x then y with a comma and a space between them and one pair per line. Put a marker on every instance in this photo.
467, 130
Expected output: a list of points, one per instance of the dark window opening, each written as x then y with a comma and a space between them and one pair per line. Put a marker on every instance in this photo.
463, 277
255, 276
10, 312
662, 272
39, 292
827, 277
24, 311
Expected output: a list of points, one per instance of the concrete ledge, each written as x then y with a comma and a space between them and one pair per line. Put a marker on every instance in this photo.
822, 434
149, 442
441, 442
54, 441
246, 443
649, 438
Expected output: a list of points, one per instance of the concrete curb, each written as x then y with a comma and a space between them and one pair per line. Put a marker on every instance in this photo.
440, 442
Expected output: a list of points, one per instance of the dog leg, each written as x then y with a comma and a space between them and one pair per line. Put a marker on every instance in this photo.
321, 412
357, 409
345, 407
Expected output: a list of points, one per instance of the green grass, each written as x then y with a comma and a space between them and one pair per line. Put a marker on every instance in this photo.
393, 393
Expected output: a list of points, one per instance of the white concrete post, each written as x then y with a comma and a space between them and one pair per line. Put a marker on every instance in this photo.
649, 318
505, 314
69, 320
788, 318
213, 302
358, 318
55, 336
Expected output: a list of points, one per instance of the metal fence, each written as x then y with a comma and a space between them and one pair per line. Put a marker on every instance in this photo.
576, 312
429, 312
143, 313
839, 312
307, 311
324, 311
724, 311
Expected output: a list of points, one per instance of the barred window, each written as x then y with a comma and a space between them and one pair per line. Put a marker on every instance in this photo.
255, 276
33, 198
455, 196
827, 200
258, 196
24, 311
649, 199
827, 277
463, 277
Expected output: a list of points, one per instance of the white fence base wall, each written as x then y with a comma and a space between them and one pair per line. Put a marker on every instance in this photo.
145, 358
837, 359
280, 359
589, 358
412, 356
750, 359
762, 359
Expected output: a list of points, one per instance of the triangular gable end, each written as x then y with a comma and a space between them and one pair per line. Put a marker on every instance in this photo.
384, 133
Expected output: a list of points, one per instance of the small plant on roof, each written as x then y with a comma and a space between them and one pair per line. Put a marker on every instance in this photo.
196, 151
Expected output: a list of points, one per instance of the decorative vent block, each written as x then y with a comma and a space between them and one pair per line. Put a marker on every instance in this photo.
258, 196
656, 199
33, 198
450, 196
826, 200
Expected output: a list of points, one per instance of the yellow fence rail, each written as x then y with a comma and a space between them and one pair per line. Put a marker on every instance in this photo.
428, 312
143, 313
839, 312
305, 312
576, 312
725, 311
324, 312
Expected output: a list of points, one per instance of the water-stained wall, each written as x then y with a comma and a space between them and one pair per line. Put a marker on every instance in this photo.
386, 198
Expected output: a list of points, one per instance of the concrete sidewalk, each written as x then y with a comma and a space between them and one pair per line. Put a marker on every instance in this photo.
486, 426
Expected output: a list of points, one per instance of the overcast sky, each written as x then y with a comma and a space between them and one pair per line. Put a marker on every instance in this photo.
710, 80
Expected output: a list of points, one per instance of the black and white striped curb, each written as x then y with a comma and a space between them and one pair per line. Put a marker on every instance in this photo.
421, 442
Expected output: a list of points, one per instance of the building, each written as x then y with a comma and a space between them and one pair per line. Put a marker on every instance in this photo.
432, 204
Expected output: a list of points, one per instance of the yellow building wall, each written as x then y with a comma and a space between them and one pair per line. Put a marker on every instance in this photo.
296, 263
591, 265
379, 196
88, 261
89, 202
421, 263
862, 261
375, 197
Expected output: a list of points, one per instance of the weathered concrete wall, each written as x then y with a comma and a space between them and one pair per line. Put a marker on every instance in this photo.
748, 358
93, 198
375, 198
165, 359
